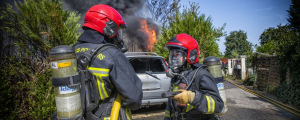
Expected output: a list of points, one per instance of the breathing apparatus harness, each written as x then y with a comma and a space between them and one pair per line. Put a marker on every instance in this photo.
180, 110
83, 62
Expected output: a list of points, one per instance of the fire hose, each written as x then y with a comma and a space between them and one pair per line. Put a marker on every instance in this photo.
277, 103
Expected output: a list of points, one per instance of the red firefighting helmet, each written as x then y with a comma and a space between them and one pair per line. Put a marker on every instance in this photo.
104, 19
186, 43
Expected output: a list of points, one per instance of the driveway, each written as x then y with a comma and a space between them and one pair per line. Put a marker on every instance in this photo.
241, 106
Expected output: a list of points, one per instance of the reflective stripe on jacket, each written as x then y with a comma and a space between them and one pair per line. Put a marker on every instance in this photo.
113, 71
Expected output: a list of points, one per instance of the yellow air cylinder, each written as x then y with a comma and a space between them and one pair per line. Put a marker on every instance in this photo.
64, 64
214, 66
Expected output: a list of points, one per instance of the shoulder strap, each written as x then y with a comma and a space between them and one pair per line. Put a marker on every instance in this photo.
103, 48
196, 76
85, 59
82, 62
73, 46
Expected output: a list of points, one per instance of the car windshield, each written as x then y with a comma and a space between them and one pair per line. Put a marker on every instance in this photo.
141, 65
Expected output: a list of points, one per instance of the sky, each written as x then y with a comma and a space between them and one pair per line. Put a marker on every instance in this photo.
251, 16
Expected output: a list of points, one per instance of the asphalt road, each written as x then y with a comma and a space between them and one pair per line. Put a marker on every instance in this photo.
241, 106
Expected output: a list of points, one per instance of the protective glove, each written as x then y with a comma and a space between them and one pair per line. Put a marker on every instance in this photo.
184, 97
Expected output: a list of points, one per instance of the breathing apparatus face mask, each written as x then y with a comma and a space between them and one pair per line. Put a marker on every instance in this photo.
177, 58
118, 40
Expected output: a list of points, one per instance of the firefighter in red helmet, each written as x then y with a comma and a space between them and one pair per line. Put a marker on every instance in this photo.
198, 96
110, 68
106, 21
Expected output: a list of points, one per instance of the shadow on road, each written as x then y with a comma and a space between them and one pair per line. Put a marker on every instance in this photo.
156, 112
241, 113
152, 109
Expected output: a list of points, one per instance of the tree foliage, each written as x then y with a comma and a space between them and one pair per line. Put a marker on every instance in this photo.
163, 10
267, 48
237, 44
272, 37
294, 16
285, 42
35, 28
289, 58
197, 25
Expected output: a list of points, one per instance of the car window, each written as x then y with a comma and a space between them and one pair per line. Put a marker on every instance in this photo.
140, 65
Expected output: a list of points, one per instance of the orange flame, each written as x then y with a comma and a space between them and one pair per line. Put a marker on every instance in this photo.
151, 34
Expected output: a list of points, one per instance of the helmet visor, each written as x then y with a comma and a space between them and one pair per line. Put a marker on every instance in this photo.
177, 57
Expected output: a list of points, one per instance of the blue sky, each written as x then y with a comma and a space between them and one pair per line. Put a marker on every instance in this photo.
252, 16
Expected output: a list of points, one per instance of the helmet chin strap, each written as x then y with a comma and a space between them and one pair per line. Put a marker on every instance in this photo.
120, 43
123, 47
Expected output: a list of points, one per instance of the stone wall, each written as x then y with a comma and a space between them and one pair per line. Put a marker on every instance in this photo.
267, 70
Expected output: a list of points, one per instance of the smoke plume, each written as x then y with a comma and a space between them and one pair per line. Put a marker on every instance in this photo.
128, 10
124, 7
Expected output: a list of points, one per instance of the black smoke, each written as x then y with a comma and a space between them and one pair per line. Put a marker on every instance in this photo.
128, 10
124, 7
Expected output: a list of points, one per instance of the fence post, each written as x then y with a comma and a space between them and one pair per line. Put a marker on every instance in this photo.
229, 67
243, 65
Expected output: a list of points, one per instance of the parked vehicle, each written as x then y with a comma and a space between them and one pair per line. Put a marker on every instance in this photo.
151, 69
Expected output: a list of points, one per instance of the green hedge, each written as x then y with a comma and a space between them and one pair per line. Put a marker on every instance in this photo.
33, 30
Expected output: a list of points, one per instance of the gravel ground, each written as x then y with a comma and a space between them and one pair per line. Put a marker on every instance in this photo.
152, 113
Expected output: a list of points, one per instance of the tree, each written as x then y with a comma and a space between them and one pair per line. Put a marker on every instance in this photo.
237, 44
35, 28
272, 37
285, 42
163, 10
294, 15
197, 25
267, 48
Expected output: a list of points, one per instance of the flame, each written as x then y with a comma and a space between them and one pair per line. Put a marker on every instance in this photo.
151, 34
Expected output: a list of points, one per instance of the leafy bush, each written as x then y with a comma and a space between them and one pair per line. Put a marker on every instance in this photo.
250, 80
35, 28
7, 97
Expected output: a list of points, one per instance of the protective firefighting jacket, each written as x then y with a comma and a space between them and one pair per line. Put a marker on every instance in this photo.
113, 73
207, 100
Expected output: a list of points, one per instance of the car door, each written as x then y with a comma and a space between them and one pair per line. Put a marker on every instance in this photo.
151, 71
158, 67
